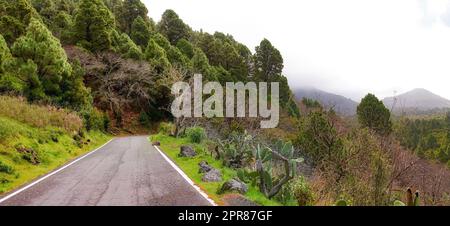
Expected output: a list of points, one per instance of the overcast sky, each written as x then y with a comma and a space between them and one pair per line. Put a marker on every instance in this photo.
349, 47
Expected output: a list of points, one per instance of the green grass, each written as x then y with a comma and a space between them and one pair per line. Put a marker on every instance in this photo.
171, 146
54, 148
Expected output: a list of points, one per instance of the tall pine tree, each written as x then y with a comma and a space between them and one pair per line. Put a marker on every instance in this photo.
15, 15
268, 61
173, 27
140, 32
129, 12
51, 76
94, 24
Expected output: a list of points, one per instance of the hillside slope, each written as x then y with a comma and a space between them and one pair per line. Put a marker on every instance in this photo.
340, 104
33, 143
417, 99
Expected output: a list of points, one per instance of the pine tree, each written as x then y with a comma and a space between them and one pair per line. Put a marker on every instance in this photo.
126, 47
176, 58
186, 48
129, 12
47, 10
162, 41
172, 27
75, 94
140, 32
157, 56
46, 52
268, 61
374, 115
94, 24
5, 53
40, 57
15, 15
200, 62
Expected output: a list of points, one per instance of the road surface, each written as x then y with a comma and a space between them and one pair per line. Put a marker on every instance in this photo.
127, 171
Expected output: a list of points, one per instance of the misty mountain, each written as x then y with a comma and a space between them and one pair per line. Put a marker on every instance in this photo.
342, 105
416, 100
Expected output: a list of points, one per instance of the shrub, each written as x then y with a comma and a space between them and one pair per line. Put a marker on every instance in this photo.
4, 168
196, 134
95, 119
302, 191
166, 128
144, 119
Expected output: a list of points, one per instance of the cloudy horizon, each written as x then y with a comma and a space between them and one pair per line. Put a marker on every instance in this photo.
347, 47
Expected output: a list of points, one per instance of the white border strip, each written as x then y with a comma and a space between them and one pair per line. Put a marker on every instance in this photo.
52, 173
186, 177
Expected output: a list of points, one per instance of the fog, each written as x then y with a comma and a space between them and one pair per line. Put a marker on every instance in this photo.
348, 47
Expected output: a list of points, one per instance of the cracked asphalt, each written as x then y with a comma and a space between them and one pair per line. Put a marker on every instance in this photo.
128, 171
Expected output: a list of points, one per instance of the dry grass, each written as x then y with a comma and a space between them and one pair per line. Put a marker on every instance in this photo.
39, 116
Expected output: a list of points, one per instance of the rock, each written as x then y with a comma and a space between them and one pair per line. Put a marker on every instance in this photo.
187, 151
156, 143
234, 185
204, 167
237, 200
213, 175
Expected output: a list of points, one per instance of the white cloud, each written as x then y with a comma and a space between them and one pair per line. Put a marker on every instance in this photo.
350, 47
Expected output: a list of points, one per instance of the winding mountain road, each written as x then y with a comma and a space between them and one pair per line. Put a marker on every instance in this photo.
127, 171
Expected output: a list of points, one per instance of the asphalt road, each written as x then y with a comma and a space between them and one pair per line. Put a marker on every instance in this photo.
127, 171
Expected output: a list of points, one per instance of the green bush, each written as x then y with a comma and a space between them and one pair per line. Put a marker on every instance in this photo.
6, 168
144, 119
166, 128
95, 119
196, 134
302, 191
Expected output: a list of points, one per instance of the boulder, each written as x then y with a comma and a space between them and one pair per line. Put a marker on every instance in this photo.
213, 175
234, 185
204, 167
187, 151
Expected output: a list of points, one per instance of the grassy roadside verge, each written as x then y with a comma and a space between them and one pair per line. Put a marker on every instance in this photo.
171, 146
28, 152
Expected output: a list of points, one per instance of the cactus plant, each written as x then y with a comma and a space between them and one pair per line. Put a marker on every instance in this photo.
236, 152
410, 200
268, 184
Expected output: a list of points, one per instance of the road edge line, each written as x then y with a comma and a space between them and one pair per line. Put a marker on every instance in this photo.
52, 173
181, 172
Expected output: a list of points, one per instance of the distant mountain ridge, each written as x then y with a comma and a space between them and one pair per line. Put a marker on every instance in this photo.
342, 105
416, 100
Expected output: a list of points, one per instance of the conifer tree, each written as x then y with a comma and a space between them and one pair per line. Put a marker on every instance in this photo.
126, 47
186, 48
129, 12
157, 56
172, 27
5, 53
268, 61
140, 32
94, 24
14, 18
200, 63
374, 115
46, 52
43, 62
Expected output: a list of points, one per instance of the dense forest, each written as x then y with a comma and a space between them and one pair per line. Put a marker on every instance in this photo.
110, 64
74, 54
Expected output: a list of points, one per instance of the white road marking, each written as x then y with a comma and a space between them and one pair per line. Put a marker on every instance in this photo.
52, 173
186, 177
